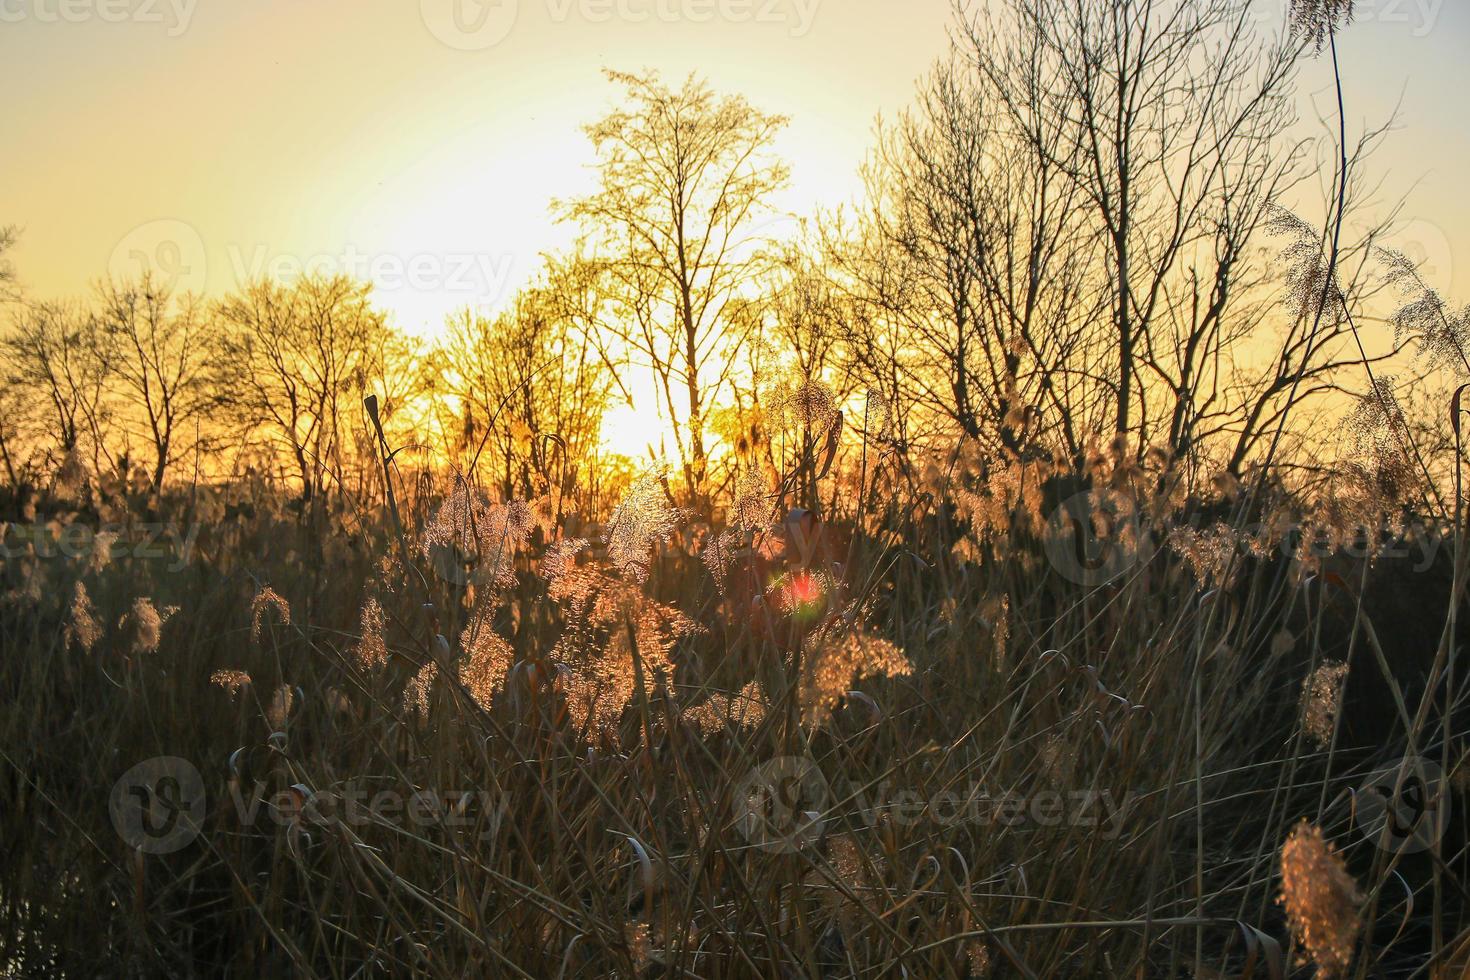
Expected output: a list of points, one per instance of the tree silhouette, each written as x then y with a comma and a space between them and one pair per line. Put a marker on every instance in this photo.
684, 178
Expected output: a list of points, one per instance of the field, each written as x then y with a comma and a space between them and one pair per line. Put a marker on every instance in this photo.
917, 738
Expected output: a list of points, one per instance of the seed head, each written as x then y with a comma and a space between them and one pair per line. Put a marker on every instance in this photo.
1316, 21
1321, 899
101, 555
641, 520
834, 663
1321, 696
278, 712
487, 659
723, 712
372, 650
143, 626
82, 629
231, 680
416, 691
267, 599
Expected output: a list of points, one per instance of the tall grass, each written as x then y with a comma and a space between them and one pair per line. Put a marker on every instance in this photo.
916, 734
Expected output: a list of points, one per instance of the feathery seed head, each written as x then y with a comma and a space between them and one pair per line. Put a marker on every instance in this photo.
1321, 899
82, 629
643, 519
1315, 21
267, 599
372, 650
231, 680
143, 626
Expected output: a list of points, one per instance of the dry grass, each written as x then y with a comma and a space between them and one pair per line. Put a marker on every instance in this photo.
999, 771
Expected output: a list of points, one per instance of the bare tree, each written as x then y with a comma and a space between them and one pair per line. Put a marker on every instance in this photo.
973, 248
1067, 233
1171, 114
531, 389
8, 290
12, 401
52, 353
684, 176
161, 351
294, 359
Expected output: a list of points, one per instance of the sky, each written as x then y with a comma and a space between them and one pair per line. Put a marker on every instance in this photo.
417, 143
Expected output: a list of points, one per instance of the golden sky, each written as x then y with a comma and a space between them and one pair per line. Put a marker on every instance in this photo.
418, 143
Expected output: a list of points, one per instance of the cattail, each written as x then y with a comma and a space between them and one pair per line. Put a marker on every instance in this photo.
372, 651
278, 712
143, 626
233, 681
265, 599
1321, 899
82, 629
1321, 696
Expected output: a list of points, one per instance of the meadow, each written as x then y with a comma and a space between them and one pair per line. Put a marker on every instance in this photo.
947, 736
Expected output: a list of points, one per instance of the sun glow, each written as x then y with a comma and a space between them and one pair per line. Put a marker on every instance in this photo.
636, 432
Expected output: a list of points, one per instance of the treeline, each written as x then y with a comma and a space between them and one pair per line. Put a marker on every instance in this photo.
1076, 235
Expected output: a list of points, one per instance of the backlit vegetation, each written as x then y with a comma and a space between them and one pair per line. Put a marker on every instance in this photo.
1027, 572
